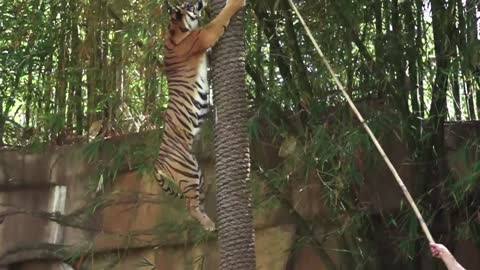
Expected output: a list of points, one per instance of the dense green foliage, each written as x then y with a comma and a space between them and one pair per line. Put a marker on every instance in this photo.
410, 65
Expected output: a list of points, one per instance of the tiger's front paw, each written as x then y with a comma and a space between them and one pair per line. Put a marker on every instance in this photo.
208, 225
237, 3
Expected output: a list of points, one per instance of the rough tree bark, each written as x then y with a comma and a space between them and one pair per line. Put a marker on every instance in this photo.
235, 219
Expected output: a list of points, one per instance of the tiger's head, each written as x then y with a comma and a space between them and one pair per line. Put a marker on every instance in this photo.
185, 16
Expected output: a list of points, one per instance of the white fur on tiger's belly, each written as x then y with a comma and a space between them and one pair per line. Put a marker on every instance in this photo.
202, 76
204, 89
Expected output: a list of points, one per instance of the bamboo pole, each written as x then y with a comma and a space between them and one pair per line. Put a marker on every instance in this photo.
366, 127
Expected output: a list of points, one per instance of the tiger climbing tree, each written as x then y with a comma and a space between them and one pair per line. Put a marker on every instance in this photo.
235, 219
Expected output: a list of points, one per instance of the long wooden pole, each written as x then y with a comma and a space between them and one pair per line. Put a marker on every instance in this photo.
366, 127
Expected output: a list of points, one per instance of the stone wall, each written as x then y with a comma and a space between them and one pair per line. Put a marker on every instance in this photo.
47, 202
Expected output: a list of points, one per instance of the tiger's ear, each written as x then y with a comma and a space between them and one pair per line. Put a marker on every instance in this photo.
200, 5
170, 9
174, 12
168, 6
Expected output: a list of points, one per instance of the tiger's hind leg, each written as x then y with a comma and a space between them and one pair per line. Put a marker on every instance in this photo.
188, 177
195, 198
198, 213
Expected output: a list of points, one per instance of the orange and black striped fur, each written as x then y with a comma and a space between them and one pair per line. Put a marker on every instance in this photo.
186, 68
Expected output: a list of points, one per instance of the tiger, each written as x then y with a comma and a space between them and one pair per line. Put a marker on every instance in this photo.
185, 65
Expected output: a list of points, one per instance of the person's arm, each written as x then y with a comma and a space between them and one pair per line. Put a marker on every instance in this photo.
440, 251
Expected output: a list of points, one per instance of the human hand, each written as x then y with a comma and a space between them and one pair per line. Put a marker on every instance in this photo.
439, 251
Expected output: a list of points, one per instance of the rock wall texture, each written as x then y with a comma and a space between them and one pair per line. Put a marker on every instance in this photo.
52, 208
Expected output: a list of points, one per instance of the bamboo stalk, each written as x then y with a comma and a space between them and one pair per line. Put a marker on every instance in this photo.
366, 127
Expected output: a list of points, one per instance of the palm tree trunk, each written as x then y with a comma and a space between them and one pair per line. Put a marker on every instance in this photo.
235, 219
